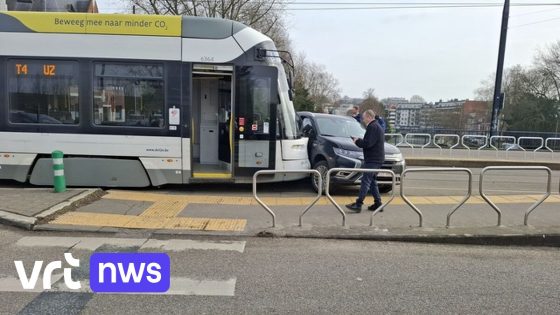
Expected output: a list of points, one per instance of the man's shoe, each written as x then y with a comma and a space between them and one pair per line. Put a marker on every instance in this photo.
374, 207
354, 207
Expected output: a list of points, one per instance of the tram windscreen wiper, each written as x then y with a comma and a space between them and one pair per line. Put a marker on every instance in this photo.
327, 135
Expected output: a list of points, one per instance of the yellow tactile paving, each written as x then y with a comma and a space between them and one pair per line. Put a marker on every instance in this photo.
225, 225
187, 223
168, 205
165, 209
93, 219
138, 222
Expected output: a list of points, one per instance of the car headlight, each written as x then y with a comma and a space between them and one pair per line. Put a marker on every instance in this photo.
394, 157
350, 154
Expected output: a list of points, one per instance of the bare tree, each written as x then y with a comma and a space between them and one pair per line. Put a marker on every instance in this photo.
547, 64
371, 102
417, 99
266, 16
322, 86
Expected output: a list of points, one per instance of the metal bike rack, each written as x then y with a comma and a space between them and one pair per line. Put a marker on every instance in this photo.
359, 170
269, 172
546, 144
515, 168
397, 135
425, 135
443, 135
501, 137
474, 137
530, 138
437, 169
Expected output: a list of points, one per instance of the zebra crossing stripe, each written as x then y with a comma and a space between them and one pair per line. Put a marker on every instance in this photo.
93, 243
179, 286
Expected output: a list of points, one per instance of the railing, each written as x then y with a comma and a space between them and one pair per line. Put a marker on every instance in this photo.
273, 172
395, 135
422, 135
474, 137
515, 168
403, 195
436, 169
359, 170
446, 136
541, 140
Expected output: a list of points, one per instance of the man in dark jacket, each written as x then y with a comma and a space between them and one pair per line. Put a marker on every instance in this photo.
373, 145
356, 113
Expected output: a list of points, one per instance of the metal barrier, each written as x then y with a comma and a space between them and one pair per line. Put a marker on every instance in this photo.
501, 137
515, 168
474, 137
446, 136
397, 135
530, 138
267, 208
437, 169
425, 135
546, 144
359, 170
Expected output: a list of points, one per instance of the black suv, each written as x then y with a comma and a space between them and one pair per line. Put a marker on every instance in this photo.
330, 145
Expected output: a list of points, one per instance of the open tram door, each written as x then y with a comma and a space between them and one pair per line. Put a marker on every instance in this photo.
256, 102
212, 137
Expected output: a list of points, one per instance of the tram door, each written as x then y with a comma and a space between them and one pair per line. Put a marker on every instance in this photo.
211, 121
256, 102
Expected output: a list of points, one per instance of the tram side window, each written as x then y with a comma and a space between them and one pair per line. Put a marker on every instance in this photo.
129, 95
43, 92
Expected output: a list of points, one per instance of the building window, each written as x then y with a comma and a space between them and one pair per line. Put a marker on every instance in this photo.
43, 92
129, 95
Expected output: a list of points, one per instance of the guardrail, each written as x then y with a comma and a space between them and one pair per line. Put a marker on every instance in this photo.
436, 169
501, 137
474, 137
515, 168
397, 135
443, 135
359, 170
530, 138
546, 144
423, 135
273, 172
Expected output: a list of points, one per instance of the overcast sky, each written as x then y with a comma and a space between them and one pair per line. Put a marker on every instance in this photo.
436, 53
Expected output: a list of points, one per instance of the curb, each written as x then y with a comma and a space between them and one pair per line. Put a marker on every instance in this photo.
539, 239
29, 223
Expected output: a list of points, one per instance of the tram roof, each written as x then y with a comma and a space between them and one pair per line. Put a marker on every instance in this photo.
118, 24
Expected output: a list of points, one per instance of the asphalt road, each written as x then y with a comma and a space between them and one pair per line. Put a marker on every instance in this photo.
295, 276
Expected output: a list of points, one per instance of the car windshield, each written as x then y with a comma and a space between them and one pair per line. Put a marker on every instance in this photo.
337, 126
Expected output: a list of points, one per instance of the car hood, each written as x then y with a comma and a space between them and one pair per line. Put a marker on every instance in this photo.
348, 144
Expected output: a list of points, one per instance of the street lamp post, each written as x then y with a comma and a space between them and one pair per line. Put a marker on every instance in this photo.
498, 97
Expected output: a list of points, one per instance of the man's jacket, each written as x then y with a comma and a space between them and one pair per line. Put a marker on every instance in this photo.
373, 144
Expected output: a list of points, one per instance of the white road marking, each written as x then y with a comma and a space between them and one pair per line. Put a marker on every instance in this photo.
181, 245
186, 286
179, 286
12, 284
93, 243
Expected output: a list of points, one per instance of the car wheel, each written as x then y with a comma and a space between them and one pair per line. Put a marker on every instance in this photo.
385, 188
323, 168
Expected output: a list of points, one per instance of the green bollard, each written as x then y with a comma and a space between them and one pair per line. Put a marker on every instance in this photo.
58, 168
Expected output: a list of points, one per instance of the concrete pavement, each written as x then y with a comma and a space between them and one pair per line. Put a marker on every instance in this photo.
232, 211
216, 275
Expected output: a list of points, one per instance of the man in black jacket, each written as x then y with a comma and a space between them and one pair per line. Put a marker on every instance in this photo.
373, 145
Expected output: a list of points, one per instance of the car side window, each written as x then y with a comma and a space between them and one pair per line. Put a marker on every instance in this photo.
306, 122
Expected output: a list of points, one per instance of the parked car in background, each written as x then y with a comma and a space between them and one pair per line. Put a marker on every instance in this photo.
330, 145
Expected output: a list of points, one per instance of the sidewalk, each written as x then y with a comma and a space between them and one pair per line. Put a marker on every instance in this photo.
25, 207
240, 215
